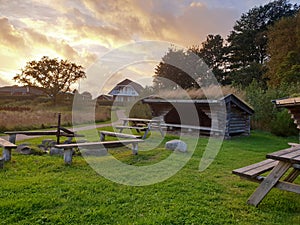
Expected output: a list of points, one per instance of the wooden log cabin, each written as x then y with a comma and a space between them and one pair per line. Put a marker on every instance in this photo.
293, 106
228, 115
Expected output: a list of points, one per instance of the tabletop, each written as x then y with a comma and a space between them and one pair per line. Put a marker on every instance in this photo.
139, 120
291, 155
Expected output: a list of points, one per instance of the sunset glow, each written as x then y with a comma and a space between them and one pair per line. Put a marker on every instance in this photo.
83, 30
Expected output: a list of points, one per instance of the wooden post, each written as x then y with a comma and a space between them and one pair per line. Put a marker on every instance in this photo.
12, 138
68, 156
1, 163
6, 154
268, 183
58, 128
134, 148
102, 136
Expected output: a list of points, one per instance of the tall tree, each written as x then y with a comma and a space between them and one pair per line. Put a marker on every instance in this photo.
284, 51
212, 51
51, 75
184, 69
248, 41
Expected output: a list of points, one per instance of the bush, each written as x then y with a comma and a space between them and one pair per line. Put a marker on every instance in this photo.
283, 125
140, 110
267, 117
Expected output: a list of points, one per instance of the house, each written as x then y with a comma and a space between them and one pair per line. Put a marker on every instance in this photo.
104, 98
20, 91
231, 114
126, 91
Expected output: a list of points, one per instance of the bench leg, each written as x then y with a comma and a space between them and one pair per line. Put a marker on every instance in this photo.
1, 163
102, 137
6, 154
134, 148
68, 153
268, 183
12, 138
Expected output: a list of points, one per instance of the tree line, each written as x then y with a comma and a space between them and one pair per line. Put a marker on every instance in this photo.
263, 46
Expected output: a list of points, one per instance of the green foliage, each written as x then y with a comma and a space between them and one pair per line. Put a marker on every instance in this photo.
283, 125
184, 69
249, 40
212, 51
42, 190
284, 48
51, 75
266, 116
140, 110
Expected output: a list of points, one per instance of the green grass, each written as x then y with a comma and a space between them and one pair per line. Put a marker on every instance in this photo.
42, 190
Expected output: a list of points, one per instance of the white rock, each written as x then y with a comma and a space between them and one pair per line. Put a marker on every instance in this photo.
177, 145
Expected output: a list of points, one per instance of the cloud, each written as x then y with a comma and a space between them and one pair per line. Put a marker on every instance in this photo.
83, 30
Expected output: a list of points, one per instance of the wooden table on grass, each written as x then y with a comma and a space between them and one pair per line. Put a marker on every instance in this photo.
285, 165
139, 125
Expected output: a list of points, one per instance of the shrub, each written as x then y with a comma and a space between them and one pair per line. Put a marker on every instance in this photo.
282, 125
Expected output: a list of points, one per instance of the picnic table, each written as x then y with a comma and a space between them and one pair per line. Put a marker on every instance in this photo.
285, 168
141, 125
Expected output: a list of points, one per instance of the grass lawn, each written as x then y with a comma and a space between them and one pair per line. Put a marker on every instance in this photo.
42, 190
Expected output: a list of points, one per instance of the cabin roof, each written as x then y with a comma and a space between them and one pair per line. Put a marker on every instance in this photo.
228, 98
287, 102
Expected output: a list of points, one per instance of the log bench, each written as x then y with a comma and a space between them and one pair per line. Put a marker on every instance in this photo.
119, 135
190, 128
7, 147
68, 148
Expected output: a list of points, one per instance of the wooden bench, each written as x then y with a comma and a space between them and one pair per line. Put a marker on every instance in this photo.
68, 148
119, 135
190, 127
253, 172
7, 147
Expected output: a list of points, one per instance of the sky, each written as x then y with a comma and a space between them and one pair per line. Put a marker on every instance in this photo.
85, 31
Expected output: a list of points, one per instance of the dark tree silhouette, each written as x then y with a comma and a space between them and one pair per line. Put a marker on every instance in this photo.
50, 75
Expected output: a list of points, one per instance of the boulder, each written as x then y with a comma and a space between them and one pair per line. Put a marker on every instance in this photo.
177, 145
56, 151
24, 149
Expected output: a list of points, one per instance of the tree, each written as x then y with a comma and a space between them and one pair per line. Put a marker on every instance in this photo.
247, 43
284, 51
169, 73
184, 69
51, 75
212, 51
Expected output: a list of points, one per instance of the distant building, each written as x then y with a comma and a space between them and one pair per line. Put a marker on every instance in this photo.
126, 91
20, 91
105, 98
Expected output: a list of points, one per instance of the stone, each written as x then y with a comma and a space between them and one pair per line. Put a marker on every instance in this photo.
47, 143
56, 151
176, 145
24, 149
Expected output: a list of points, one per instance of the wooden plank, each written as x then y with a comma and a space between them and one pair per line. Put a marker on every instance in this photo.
132, 127
41, 133
6, 144
281, 185
275, 155
268, 183
120, 135
190, 127
291, 155
105, 144
256, 169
